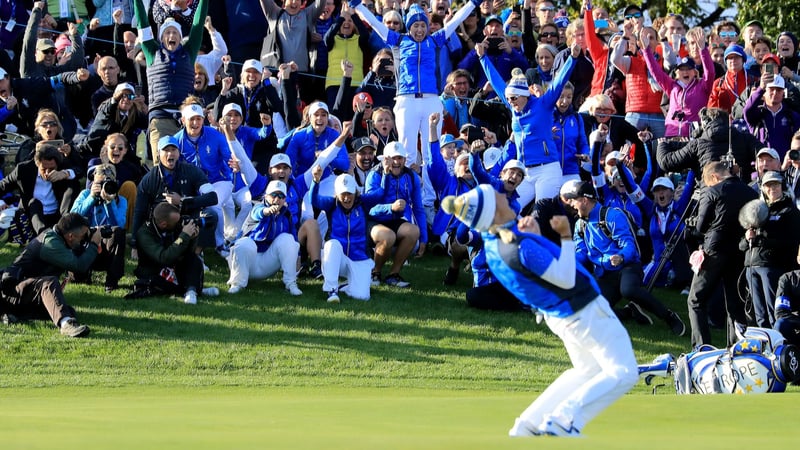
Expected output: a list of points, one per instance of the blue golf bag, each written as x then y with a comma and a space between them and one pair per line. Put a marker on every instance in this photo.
759, 362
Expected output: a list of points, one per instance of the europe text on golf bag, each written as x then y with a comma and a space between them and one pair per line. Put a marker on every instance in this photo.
760, 362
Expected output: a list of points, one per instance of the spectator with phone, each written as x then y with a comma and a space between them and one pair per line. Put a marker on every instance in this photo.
125, 112
497, 49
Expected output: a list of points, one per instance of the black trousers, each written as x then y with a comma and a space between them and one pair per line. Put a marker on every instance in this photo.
494, 297
38, 298
720, 268
627, 283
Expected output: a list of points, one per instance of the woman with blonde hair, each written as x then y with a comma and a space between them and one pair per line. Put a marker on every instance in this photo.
602, 112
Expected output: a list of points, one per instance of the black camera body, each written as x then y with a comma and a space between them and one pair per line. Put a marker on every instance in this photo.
383, 70
106, 232
200, 222
493, 45
109, 187
794, 155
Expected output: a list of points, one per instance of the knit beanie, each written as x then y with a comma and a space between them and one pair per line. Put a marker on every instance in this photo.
170, 22
475, 208
518, 85
415, 14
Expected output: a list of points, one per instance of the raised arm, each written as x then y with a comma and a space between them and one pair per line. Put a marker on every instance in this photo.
196, 33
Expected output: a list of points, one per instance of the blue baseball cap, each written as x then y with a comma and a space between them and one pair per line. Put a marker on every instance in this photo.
736, 50
493, 18
448, 139
166, 141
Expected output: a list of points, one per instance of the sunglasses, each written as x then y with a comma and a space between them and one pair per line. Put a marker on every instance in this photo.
722, 46
512, 98
392, 22
548, 34
514, 33
49, 51
728, 34
278, 195
633, 16
48, 124
129, 97
367, 105
116, 147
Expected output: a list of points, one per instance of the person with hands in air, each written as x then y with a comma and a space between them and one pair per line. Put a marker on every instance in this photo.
445, 183
547, 278
497, 49
531, 123
417, 92
170, 68
687, 92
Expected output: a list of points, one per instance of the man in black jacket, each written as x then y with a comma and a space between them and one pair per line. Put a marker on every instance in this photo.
787, 306
45, 187
712, 144
717, 222
177, 183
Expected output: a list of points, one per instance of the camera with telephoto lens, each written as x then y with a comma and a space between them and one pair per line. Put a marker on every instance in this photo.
109, 187
383, 65
200, 222
794, 155
105, 231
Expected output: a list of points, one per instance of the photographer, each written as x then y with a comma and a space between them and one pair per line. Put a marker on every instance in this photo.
106, 211
180, 184
30, 285
168, 263
718, 226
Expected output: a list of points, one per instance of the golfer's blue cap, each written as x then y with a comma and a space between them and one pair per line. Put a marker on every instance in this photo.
166, 141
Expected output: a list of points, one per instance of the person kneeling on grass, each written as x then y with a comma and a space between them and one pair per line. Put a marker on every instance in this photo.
168, 263
546, 277
345, 253
269, 243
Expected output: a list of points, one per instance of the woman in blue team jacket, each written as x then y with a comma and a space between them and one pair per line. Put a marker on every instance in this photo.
532, 126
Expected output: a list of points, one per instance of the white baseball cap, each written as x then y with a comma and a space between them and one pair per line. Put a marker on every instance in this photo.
316, 106
192, 110
491, 157
280, 158
231, 107
612, 156
393, 149
768, 151
252, 64
777, 82
664, 182
276, 186
345, 183
514, 164
120, 87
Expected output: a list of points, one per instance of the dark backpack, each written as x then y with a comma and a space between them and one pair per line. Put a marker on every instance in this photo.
580, 226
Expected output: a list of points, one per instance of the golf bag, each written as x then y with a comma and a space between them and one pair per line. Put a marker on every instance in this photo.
759, 362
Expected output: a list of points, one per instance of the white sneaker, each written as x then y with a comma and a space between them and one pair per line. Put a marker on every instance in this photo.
293, 289
553, 427
333, 296
210, 291
234, 289
523, 428
190, 298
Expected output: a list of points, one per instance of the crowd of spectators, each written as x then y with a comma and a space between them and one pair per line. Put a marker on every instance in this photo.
318, 138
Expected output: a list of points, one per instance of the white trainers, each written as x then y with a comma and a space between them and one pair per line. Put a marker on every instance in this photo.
190, 298
210, 291
523, 428
333, 296
293, 289
234, 289
553, 427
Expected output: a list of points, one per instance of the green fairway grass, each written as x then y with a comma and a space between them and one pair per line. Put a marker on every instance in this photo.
411, 369
341, 418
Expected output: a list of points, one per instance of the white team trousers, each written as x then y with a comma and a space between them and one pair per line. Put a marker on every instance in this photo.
540, 182
246, 263
357, 273
604, 369
411, 116
223, 209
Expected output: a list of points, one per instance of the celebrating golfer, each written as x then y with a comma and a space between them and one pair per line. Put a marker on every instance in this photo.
544, 276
